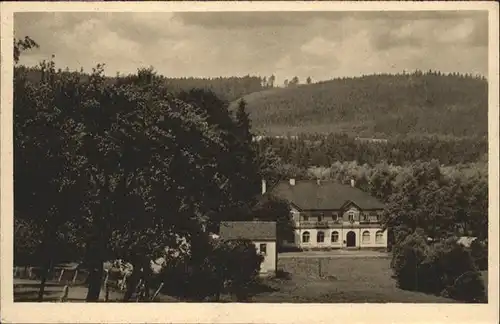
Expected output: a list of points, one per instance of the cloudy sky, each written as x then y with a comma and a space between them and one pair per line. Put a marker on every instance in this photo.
322, 45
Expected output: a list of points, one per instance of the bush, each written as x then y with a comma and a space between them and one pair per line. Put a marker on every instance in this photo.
479, 252
454, 272
407, 258
469, 287
444, 268
225, 267
242, 268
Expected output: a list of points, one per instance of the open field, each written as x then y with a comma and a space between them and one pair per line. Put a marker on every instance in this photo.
313, 279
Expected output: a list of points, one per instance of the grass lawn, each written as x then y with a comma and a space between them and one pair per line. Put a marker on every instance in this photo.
342, 280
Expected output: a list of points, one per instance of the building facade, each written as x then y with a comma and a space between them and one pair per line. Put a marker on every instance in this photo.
329, 215
263, 236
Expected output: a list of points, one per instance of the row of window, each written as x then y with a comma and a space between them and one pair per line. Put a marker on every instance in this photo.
335, 216
320, 237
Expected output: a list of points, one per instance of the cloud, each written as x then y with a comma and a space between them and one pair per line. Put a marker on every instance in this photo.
317, 44
261, 19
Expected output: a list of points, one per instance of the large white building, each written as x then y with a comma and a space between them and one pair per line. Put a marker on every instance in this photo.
330, 215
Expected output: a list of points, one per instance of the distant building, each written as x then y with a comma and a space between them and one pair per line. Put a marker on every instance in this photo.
259, 138
372, 140
261, 233
331, 215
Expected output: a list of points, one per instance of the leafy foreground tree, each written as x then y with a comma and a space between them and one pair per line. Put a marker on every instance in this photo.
47, 191
237, 163
129, 165
21, 45
167, 152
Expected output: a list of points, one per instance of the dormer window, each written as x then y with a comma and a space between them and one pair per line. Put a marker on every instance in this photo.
350, 214
320, 217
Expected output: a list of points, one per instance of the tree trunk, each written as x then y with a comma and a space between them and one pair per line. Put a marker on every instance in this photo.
47, 265
132, 282
95, 279
147, 272
147, 291
43, 280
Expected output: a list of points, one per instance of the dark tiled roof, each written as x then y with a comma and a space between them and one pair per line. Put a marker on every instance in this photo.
309, 195
255, 230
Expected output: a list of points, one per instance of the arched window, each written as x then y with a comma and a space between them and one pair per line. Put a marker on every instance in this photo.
379, 237
320, 237
305, 237
335, 237
366, 237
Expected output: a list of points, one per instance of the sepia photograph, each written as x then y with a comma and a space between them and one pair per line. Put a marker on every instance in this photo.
250, 157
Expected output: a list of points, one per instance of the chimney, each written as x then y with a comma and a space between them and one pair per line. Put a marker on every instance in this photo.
353, 183
264, 186
292, 182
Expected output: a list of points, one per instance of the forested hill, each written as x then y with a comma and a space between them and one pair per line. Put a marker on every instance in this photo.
226, 88
376, 106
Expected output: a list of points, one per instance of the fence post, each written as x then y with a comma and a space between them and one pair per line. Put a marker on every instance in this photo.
64, 294
157, 291
60, 276
74, 276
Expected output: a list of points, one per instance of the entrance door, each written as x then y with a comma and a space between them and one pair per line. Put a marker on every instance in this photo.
351, 239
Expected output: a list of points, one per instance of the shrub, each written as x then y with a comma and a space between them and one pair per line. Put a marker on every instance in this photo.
224, 267
242, 268
445, 268
479, 252
453, 272
407, 258
468, 287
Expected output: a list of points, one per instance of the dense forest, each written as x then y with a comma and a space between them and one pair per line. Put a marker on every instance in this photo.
381, 106
323, 150
376, 106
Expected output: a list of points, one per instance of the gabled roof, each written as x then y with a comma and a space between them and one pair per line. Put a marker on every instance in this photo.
327, 195
253, 230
